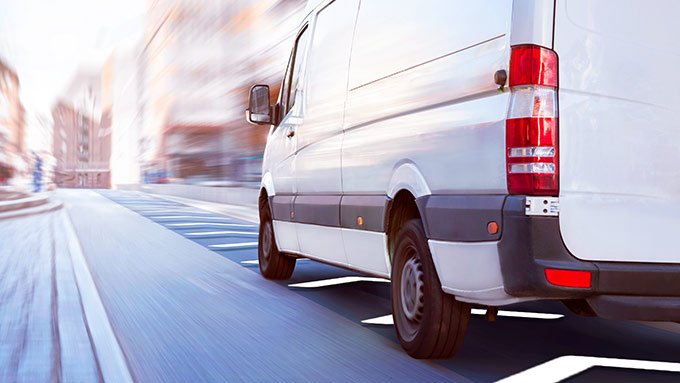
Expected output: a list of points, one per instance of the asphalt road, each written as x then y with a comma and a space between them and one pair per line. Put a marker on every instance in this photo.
183, 293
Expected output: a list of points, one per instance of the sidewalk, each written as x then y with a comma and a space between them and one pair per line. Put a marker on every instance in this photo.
9, 195
14, 204
43, 332
245, 196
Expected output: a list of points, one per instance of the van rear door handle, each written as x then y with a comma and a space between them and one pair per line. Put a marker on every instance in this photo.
291, 134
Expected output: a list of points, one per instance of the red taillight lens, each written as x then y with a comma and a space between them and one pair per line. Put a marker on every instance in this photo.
531, 127
531, 156
568, 278
533, 65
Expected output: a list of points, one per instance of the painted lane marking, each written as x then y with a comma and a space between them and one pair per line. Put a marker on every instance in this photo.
112, 363
186, 216
256, 262
208, 224
520, 314
234, 245
561, 368
208, 233
336, 281
158, 206
388, 320
174, 211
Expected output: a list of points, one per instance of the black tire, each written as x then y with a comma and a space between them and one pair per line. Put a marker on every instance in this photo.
430, 324
273, 263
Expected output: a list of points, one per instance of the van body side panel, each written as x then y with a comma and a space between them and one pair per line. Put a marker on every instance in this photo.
319, 137
532, 22
390, 38
321, 242
446, 117
279, 159
426, 96
619, 129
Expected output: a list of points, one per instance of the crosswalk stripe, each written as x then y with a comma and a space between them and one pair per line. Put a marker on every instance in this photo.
336, 281
234, 245
189, 224
388, 320
187, 216
198, 234
564, 367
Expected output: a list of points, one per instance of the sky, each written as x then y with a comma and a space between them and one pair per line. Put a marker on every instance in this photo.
46, 41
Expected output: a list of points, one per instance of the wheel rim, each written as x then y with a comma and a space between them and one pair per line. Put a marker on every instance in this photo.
267, 241
412, 293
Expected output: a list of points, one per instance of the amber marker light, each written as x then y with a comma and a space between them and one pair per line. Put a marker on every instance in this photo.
360, 221
492, 227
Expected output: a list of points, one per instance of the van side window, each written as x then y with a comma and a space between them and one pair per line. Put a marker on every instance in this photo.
285, 87
290, 82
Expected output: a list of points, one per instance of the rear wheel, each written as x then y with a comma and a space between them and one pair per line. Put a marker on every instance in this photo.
430, 324
273, 263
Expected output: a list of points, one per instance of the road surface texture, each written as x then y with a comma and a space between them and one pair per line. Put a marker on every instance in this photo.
43, 336
181, 289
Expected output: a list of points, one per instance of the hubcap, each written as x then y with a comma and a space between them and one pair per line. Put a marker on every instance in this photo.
412, 290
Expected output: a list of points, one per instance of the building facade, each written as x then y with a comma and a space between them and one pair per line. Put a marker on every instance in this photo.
81, 142
199, 59
13, 158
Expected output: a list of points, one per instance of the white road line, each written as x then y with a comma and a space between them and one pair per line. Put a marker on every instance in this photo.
383, 320
188, 216
336, 281
156, 211
519, 314
387, 319
198, 234
112, 362
561, 368
209, 224
234, 245
256, 262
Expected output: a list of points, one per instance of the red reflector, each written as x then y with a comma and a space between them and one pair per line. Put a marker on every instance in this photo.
568, 278
528, 133
533, 65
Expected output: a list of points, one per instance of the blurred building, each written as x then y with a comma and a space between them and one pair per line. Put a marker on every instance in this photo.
81, 142
199, 60
122, 94
12, 123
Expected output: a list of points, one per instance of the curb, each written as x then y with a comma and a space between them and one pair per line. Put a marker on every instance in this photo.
43, 207
109, 355
23, 203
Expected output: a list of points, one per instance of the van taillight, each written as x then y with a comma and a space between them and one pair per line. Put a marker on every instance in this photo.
531, 127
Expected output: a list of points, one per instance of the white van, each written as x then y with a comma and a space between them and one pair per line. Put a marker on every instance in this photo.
419, 141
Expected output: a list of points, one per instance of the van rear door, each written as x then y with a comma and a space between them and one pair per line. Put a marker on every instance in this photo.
619, 133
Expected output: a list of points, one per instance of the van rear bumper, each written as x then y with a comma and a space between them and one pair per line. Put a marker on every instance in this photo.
530, 244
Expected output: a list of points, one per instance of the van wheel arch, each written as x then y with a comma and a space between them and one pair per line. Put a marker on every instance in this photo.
400, 209
262, 200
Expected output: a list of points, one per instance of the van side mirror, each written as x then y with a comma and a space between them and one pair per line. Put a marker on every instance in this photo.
259, 110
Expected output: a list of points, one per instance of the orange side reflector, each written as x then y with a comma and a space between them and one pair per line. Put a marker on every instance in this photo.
568, 278
492, 227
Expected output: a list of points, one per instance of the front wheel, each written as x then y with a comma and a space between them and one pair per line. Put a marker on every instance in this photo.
273, 263
430, 324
